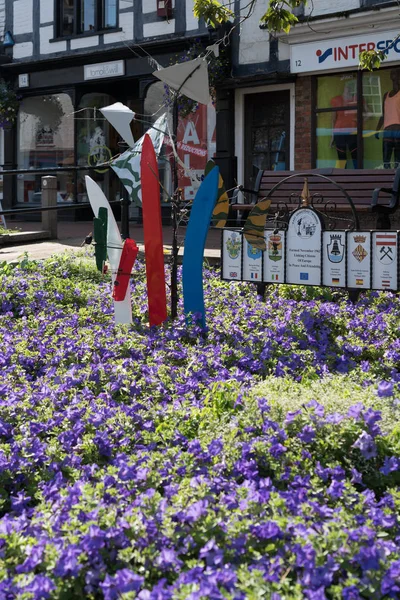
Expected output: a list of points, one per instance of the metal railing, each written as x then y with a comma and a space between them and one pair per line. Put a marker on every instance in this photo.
124, 202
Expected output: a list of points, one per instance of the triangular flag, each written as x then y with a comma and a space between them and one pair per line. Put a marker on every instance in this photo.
189, 78
127, 166
120, 117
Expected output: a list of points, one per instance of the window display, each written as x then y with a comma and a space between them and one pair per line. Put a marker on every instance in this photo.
45, 139
358, 120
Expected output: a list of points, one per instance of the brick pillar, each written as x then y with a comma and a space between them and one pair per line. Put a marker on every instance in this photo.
302, 148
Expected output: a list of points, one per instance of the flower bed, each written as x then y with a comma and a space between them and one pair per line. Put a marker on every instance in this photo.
258, 461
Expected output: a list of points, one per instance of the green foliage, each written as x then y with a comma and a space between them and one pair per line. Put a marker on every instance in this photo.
212, 11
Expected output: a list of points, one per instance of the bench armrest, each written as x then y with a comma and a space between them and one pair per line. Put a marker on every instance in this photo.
383, 208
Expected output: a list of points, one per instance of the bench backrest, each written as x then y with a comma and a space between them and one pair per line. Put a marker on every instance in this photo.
358, 183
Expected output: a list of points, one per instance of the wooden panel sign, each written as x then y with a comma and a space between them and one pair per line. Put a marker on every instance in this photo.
303, 248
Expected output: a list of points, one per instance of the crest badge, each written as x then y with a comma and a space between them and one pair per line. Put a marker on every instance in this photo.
275, 247
253, 252
233, 245
335, 249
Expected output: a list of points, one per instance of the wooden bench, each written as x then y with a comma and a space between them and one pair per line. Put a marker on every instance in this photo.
360, 184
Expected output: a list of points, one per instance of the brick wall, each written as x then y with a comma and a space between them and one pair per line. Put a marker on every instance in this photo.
302, 150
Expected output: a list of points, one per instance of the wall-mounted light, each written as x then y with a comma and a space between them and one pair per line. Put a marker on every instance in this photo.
164, 8
8, 41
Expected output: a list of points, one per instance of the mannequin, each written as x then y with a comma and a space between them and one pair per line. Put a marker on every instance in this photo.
390, 120
344, 124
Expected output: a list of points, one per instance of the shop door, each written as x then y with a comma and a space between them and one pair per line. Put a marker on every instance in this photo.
267, 133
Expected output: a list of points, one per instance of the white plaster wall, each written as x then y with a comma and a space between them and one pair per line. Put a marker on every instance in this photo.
46, 11
46, 34
23, 17
150, 6
23, 50
324, 7
253, 41
158, 28
84, 42
191, 22
126, 22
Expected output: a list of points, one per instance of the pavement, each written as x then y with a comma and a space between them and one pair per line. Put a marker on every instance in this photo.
72, 234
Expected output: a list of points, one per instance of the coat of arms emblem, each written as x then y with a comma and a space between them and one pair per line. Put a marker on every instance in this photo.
275, 247
335, 249
233, 245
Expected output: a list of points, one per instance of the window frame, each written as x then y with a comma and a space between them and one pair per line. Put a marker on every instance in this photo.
99, 21
317, 111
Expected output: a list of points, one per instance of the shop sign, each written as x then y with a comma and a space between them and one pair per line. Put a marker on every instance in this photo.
342, 52
23, 80
116, 68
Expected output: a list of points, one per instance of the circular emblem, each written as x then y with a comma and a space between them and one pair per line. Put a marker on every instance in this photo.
305, 223
99, 154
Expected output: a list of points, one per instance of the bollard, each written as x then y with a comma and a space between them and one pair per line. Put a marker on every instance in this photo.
49, 199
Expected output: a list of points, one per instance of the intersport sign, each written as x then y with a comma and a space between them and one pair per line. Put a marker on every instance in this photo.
343, 52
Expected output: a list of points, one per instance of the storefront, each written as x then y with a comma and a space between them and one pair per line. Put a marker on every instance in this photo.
354, 115
60, 125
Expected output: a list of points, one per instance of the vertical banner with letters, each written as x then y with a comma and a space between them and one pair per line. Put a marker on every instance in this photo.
252, 263
359, 259
232, 254
334, 258
384, 260
274, 257
303, 248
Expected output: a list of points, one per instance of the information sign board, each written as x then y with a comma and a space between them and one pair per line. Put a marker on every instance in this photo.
303, 248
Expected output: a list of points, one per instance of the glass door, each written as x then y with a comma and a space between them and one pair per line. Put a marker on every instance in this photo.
267, 133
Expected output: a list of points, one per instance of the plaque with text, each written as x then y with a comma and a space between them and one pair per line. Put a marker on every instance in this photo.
359, 259
232, 255
303, 248
252, 263
274, 257
385, 260
334, 258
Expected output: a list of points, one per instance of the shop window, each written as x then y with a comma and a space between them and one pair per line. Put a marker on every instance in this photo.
358, 131
195, 143
85, 16
45, 139
97, 143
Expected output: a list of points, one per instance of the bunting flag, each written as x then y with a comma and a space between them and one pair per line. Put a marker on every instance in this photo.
120, 117
152, 229
255, 224
128, 257
195, 240
127, 166
100, 225
189, 78
221, 209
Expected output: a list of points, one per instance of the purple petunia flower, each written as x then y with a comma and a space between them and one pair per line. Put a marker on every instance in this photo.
385, 389
366, 445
